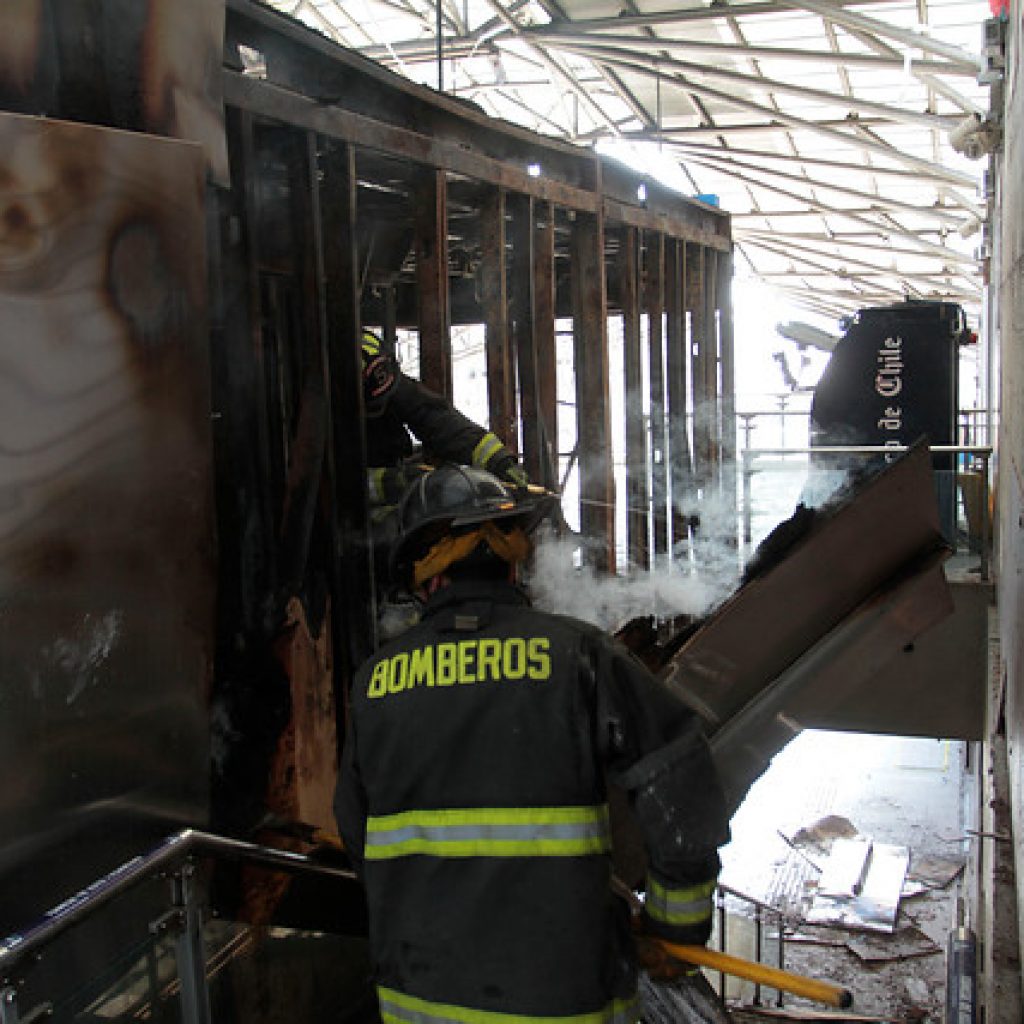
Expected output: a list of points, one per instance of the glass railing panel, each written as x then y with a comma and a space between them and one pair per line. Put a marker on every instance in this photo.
267, 975
116, 965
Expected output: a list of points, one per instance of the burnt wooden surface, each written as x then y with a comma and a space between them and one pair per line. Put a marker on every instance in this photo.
119, 63
107, 572
680, 472
654, 304
522, 305
544, 287
431, 245
501, 399
593, 429
336, 185
637, 490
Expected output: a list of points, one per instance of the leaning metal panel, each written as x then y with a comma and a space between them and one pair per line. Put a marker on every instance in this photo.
106, 575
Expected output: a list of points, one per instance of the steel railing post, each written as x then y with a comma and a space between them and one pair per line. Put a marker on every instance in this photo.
984, 517
195, 995
747, 513
9, 1005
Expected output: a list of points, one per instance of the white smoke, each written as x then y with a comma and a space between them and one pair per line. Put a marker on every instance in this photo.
558, 582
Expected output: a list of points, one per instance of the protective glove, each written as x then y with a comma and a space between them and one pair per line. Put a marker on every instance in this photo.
386, 484
506, 468
652, 957
659, 965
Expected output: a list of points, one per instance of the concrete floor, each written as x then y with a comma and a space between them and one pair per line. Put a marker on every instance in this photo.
894, 790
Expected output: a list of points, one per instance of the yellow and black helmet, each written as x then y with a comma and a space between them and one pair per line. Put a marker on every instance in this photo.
450, 511
380, 374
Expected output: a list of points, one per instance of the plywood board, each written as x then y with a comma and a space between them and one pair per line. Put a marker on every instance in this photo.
106, 550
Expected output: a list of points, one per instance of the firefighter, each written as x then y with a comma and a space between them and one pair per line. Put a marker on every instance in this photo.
473, 791
396, 404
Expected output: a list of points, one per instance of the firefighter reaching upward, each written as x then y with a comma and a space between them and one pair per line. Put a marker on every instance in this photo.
473, 790
396, 404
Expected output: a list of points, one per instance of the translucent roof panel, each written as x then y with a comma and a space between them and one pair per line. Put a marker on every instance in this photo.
825, 128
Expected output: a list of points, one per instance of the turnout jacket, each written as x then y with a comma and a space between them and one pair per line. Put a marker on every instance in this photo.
444, 432
472, 798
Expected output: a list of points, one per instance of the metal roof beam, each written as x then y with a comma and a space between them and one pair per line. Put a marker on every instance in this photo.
835, 135
553, 66
681, 17
724, 160
813, 204
903, 173
769, 241
618, 58
634, 44
916, 40
770, 127
852, 240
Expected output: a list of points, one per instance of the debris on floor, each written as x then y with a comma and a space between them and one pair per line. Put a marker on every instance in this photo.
689, 999
824, 830
860, 885
829, 794
935, 872
795, 1014
901, 945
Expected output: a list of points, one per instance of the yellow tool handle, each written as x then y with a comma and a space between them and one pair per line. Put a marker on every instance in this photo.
773, 977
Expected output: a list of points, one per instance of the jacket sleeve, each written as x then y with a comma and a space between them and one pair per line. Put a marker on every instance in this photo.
655, 749
350, 802
446, 433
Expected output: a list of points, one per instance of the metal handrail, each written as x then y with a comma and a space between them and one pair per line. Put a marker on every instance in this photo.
981, 450
172, 851
761, 909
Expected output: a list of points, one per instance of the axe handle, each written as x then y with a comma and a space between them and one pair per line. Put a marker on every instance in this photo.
796, 984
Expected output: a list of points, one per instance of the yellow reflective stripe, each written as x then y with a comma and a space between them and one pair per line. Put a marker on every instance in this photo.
375, 483
400, 1008
490, 832
688, 905
371, 344
487, 447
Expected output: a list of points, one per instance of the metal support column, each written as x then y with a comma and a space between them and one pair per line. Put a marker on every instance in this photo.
727, 351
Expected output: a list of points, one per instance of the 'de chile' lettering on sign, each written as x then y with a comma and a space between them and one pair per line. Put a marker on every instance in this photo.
888, 385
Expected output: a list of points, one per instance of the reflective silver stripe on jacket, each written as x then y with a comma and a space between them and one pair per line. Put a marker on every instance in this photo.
399, 1008
490, 832
486, 448
686, 905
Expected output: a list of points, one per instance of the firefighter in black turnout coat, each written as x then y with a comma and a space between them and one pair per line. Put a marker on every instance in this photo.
396, 404
473, 789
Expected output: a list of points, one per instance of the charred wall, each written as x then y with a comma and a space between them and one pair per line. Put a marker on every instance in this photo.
339, 195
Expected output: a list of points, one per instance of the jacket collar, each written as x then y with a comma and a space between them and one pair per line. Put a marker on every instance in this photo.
472, 597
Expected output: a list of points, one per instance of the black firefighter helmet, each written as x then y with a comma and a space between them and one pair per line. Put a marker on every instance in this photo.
448, 512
